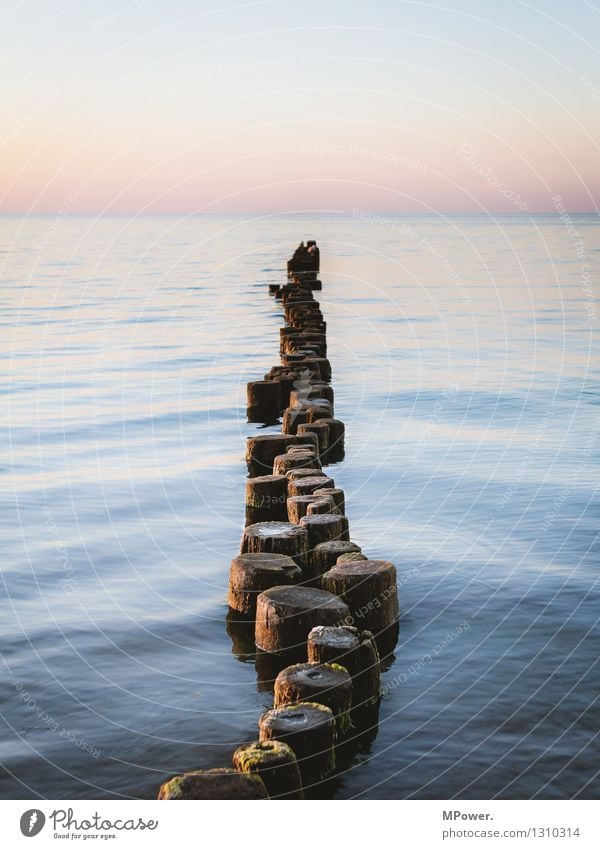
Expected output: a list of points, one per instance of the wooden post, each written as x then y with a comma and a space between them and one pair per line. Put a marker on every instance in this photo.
369, 589
354, 650
295, 460
308, 472
326, 683
327, 554
335, 448
320, 528
251, 574
214, 784
266, 498
308, 729
285, 615
262, 450
276, 538
337, 495
322, 432
297, 506
275, 763
308, 486
263, 401
350, 555
323, 505
292, 418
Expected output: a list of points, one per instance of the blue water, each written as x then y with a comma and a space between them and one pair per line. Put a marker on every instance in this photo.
466, 371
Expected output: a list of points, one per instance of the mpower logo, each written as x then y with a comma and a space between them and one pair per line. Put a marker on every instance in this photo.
32, 822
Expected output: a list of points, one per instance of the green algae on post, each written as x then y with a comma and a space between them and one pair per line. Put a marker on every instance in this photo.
276, 764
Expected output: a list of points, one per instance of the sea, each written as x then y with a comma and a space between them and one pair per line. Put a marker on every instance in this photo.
465, 367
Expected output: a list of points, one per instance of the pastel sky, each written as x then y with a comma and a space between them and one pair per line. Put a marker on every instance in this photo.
191, 106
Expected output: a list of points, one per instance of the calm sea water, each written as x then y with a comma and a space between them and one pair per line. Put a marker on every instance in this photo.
465, 370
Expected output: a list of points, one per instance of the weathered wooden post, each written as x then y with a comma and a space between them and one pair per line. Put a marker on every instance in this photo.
321, 431
285, 615
297, 506
263, 401
326, 683
266, 498
214, 784
369, 588
276, 538
309, 485
308, 729
354, 650
275, 763
326, 554
262, 450
251, 574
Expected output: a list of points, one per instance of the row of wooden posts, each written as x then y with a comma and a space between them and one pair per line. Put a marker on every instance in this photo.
322, 612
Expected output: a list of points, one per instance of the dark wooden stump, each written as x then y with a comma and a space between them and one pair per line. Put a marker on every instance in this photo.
308, 729
369, 588
307, 486
297, 506
323, 505
368, 682
251, 574
350, 555
302, 396
292, 418
276, 538
326, 554
321, 528
322, 433
263, 399
337, 495
214, 784
285, 615
335, 644
335, 448
262, 450
345, 531
294, 460
355, 651
308, 472
266, 498
303, 446
275, 763
325, 683
319, 412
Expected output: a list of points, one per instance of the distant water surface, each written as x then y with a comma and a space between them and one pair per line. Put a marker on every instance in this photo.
465, 369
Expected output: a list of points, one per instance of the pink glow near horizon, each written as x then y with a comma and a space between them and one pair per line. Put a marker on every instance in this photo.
414, 110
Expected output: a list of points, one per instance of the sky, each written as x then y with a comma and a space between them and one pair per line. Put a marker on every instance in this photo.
183, 106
